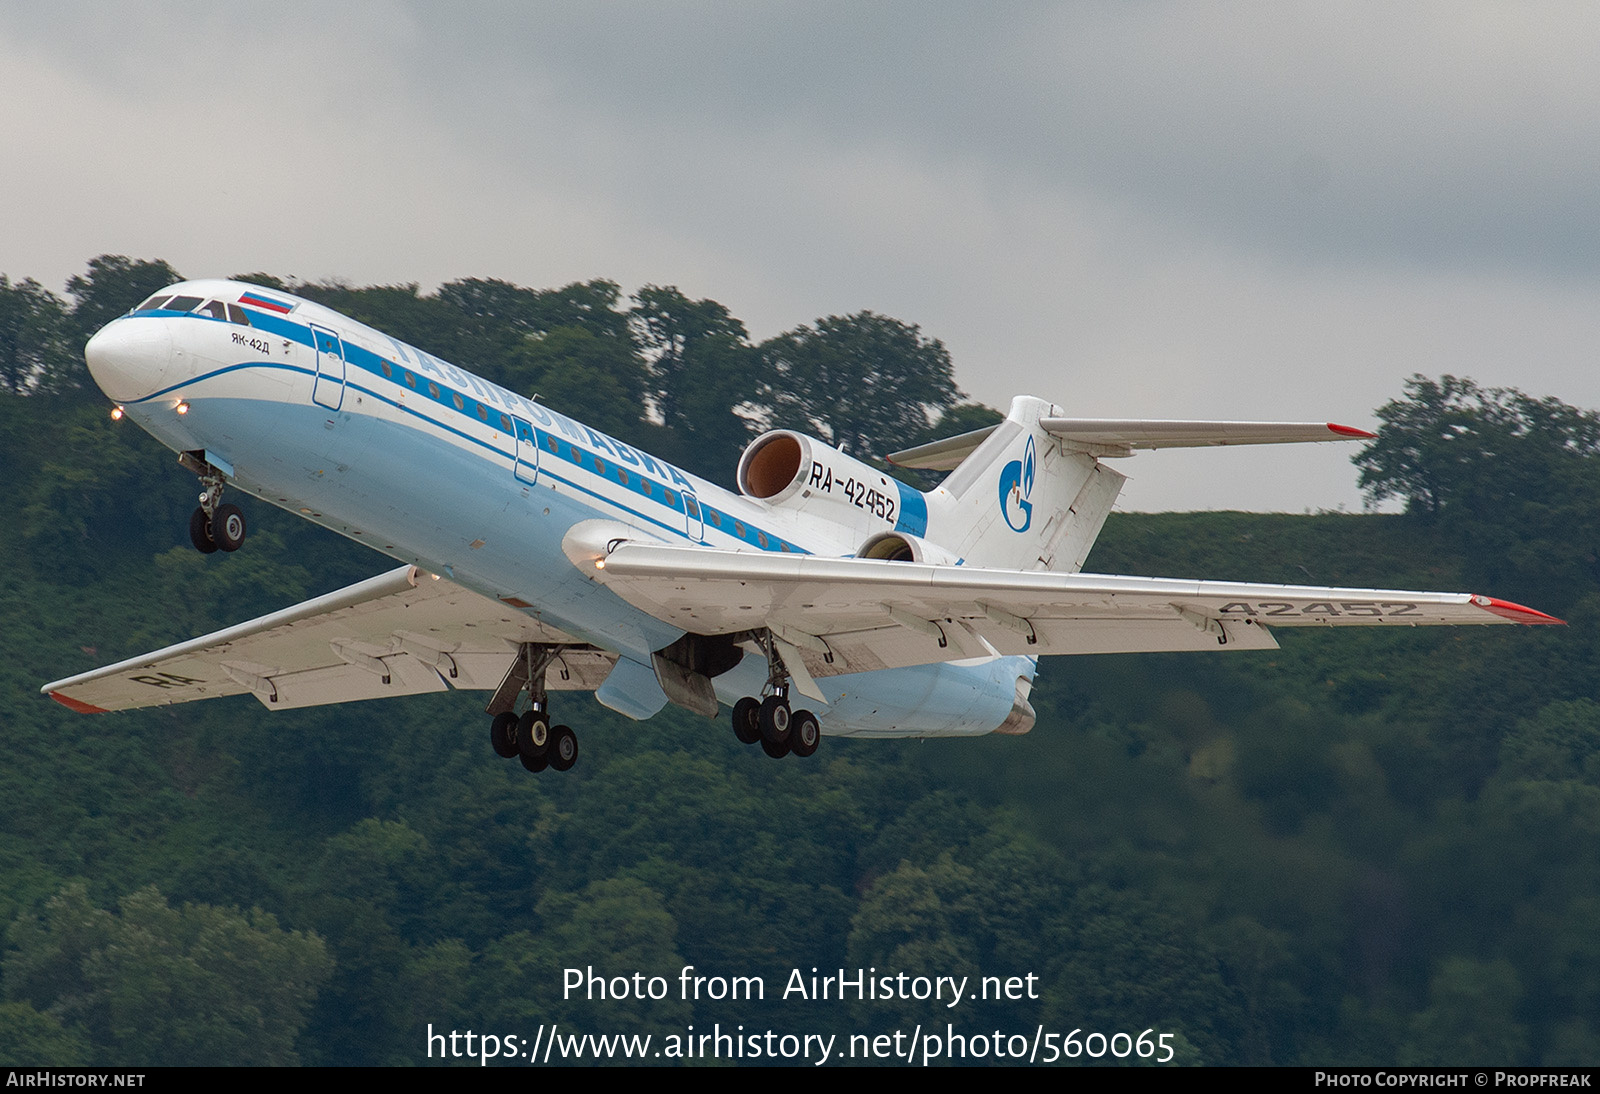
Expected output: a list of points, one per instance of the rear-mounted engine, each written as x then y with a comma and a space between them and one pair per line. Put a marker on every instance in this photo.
901, 547
792, 471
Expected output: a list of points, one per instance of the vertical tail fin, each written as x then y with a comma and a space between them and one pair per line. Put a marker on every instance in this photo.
1022, 500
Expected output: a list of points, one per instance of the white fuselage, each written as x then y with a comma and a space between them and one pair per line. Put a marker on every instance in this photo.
429, 464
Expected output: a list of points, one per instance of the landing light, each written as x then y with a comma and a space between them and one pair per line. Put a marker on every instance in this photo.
116, 414
183, 407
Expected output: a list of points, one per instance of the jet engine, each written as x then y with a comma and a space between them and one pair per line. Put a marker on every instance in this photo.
904, 547
791, 471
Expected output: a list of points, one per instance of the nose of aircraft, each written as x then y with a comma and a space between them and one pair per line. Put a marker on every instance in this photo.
128, 357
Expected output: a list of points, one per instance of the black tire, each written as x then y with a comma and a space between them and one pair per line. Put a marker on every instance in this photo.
775, 720
776, 751
503, 735
228, 528
805, 733
533, 736
747, 720
535, 763
563, 748
200, 532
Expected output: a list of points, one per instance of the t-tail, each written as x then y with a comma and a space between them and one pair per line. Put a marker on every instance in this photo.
1016, 498
1031, 492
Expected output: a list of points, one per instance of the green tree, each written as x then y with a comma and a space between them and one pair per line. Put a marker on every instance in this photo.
1451, 444
1499, 471
1562, 741
599, 381
159, 985
113, 284
1471, 1017
34, 354
863, 382
31, 1038
702, 371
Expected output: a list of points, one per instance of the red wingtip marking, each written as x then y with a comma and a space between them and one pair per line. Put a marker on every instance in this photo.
1515, 612
1350, 431
77, 704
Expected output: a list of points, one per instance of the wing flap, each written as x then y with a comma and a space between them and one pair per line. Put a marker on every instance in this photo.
404, 632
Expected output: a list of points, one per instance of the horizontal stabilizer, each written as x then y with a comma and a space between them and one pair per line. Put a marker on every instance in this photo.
1111, 437
943, 455
1119, 437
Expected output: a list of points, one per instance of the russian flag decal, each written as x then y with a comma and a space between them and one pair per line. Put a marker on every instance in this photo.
256, 300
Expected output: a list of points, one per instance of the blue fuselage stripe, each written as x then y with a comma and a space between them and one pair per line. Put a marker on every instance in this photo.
659, 493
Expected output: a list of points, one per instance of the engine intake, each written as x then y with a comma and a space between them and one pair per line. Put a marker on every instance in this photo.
773, 465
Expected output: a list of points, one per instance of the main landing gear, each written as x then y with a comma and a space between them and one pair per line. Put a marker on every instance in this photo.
213, 526
770, 723
529, 736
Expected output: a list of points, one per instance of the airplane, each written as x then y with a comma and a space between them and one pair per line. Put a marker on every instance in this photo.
539, 555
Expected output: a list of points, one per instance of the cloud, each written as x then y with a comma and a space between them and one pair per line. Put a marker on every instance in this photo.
1139, 209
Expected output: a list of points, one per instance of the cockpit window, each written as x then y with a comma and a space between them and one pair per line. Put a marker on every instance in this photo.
182, 303
237, 314
153, 303
216, 309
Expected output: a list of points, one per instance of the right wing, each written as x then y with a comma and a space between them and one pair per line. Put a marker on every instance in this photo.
401, 633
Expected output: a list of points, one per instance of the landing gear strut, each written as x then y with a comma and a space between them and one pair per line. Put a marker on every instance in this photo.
769, 721
530, 737
213, 526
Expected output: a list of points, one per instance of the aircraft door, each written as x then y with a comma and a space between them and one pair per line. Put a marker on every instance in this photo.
328, 388
527, 466
694, 517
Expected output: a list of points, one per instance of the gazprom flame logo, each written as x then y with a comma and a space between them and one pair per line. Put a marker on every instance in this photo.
1016, 483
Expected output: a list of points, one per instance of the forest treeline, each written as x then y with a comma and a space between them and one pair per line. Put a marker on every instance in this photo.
676, 376
1368, 847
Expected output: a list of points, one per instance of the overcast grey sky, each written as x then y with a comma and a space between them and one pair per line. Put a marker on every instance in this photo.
1134, 209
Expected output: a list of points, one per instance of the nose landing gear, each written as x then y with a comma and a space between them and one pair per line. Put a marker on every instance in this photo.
213, 526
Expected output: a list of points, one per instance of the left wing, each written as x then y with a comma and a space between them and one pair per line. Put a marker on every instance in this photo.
401, 633
856, 615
